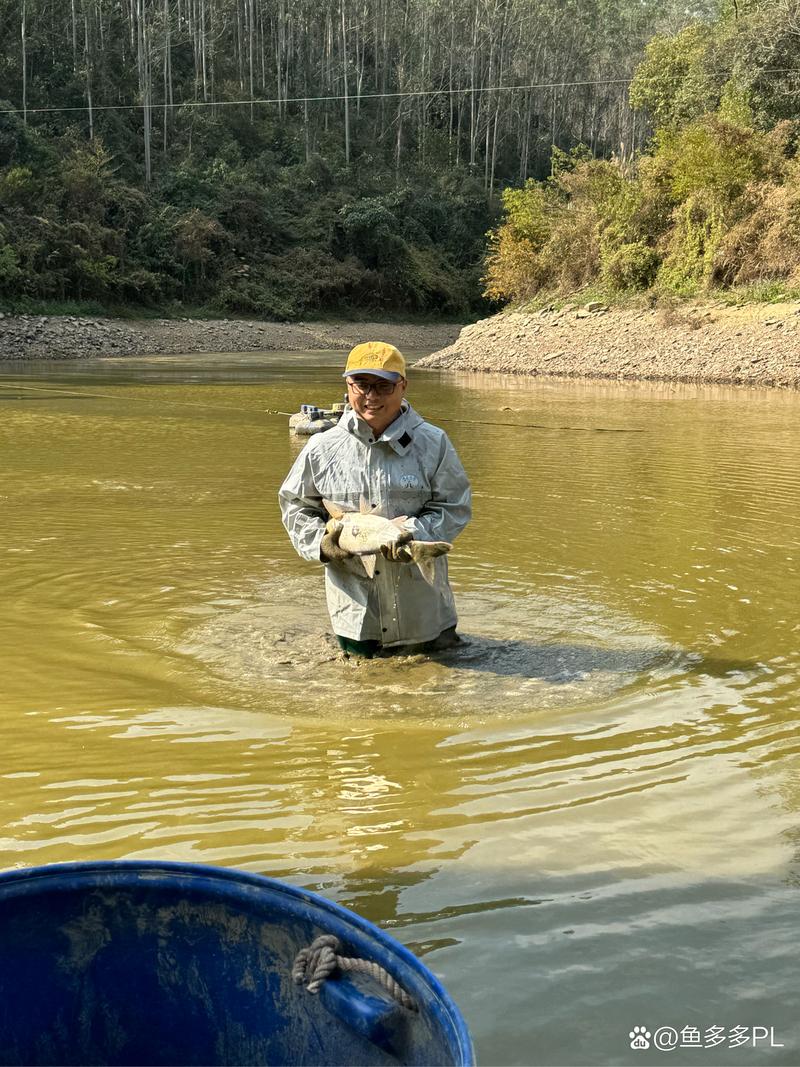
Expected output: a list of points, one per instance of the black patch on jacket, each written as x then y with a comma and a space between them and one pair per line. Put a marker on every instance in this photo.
405, 440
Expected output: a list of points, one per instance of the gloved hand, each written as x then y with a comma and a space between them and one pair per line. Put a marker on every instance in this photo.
397, 551
329, 548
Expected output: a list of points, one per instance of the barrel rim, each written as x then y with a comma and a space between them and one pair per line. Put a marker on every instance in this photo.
110, 873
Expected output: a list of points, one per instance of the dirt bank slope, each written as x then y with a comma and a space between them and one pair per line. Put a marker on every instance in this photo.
71, 337
751, 344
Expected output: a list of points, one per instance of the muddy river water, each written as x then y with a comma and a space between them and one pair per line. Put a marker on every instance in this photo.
585, 819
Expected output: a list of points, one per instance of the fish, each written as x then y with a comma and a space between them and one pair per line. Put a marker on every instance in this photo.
365, 531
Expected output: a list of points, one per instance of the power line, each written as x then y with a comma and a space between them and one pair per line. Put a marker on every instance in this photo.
317, 99
350, 96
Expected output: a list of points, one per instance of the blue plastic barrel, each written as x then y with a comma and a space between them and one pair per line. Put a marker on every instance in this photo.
180, 963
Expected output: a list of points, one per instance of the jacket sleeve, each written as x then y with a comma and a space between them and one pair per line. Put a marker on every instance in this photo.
449, 508
302, 512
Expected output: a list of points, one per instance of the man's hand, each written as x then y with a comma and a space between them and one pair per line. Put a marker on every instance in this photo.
329, 548
397, 551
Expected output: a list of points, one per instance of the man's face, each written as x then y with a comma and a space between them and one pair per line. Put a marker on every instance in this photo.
377, 407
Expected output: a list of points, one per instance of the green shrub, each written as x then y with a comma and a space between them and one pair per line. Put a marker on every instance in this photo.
572, 254
9, 265
530, 213
687, 267
632, 266
18, 188
714, 158
513, 269
554, 233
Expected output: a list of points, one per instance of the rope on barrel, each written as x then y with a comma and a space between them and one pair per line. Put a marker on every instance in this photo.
320, 959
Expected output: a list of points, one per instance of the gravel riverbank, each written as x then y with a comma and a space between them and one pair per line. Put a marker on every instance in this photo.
78, 337
756, 344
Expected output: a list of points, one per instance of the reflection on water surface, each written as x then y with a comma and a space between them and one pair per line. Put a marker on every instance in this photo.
585, 817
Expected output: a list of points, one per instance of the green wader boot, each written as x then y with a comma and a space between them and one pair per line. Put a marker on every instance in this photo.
371, 649
365, 649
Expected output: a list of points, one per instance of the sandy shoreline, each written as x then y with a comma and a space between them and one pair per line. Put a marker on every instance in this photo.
80, 337
756, 344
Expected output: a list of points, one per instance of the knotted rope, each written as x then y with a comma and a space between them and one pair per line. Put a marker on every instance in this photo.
320, 959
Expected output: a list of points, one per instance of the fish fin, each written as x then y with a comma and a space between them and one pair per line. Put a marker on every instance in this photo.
365, 508
427, 568
369, 564
336, 511
400, 520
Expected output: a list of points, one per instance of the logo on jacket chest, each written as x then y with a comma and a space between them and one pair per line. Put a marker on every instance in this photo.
409, 481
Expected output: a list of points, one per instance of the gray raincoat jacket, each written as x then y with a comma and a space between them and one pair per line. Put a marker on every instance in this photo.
412, 469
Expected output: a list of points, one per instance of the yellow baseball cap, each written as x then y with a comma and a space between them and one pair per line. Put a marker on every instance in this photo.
378, 358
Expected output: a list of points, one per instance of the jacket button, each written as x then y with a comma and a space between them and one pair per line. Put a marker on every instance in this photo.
384, 629
377, 572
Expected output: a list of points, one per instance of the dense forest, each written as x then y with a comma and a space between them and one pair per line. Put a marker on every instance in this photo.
281, 158
712, 205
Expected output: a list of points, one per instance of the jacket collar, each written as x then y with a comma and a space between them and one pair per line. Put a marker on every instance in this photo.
398, 434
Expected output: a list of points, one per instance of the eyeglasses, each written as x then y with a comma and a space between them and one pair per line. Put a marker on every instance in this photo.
365, 388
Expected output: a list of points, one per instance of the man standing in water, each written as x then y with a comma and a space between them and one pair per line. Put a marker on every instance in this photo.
383, 452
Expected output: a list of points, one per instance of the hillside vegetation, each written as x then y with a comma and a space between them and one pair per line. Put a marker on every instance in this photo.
135, 171
712, 204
